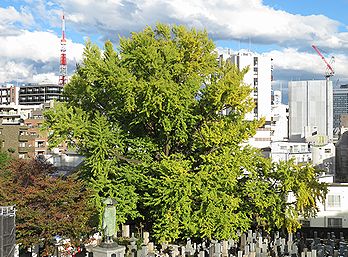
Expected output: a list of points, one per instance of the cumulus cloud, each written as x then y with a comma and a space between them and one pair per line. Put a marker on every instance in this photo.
32, 49
224, 19
12, 19
27, 54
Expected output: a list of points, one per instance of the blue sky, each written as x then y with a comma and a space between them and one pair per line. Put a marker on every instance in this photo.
283, 30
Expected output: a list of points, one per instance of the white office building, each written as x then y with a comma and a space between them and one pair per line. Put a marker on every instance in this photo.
259, 77
310, 110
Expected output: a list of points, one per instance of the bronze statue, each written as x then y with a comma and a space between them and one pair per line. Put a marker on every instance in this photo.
109, 220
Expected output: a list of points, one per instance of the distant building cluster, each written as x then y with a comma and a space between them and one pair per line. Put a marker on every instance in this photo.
21, 118
310, 129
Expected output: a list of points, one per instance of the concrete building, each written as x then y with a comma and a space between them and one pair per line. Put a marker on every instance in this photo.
284, 151
33, 94
15, 140
19, 126
340, 106
341, 172
279, 119
310, 110
14, 114
323, 157
9, 94
333, 213
259, 77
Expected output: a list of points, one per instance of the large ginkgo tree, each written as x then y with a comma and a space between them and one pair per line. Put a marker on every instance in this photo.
161, 124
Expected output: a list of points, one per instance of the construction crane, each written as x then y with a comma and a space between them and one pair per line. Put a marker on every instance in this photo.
329, 73
329, 70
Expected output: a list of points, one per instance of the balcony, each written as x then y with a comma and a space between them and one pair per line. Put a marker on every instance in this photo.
25, 137
24, 149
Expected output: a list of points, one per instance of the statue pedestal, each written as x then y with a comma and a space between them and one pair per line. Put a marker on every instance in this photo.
109, 250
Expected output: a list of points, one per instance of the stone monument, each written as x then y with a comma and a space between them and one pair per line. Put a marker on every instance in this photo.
109, 248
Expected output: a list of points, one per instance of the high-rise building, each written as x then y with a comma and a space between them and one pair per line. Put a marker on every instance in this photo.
310, 110
259, 77
340, 105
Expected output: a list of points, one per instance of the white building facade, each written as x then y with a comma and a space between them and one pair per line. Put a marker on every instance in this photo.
284, 151
280, 119
259, 77
310, 109
334, 211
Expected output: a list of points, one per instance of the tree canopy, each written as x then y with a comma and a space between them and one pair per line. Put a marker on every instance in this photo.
162, 127
46, 205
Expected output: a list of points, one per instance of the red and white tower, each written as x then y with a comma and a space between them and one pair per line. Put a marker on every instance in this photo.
63, 78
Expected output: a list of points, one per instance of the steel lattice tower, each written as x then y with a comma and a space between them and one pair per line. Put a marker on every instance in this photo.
63, 78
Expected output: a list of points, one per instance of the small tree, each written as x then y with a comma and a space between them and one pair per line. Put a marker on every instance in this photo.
46, 206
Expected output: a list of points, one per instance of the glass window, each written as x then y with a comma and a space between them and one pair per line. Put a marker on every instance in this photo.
334, 222
333, 201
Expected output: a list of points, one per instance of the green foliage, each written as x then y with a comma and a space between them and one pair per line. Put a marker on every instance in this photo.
162, 127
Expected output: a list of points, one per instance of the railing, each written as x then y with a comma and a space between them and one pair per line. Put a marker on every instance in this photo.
7, 231
24, 149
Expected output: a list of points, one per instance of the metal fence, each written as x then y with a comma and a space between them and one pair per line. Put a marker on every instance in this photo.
7, 231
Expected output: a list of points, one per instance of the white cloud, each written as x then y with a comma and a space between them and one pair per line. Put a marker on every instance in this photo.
308, 63
33, 50
224, 19
12, 18
45, 77
11, 70
37, 46
26, 54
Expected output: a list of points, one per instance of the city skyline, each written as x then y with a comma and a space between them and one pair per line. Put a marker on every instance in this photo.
30, 32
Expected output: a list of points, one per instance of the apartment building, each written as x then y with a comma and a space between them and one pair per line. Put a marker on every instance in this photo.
32, 94
333, 212
9, 94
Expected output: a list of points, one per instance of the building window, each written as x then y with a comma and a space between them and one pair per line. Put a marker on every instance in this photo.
21, 156
40, 144
305, 223
333, 201
334, 222
255, 61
